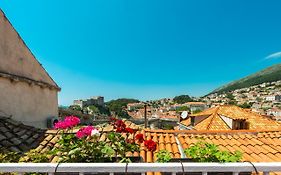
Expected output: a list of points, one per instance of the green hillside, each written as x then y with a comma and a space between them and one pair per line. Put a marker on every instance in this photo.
270, 74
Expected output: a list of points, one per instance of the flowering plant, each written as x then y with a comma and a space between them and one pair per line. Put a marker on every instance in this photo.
85, 144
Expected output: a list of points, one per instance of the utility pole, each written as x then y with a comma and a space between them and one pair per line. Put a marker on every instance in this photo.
145, 116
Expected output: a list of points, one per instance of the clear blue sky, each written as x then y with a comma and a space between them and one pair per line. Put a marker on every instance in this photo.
147, 49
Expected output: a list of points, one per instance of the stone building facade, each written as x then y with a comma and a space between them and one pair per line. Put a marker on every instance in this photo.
97, 100
28, 94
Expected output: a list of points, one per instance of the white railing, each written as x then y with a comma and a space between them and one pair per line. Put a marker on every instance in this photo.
112, 168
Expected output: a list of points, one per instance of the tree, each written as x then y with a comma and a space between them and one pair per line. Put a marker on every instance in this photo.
94, 109
75, 107
245, 105
196, 111
230, 96
117, 106
182, 99
183, 108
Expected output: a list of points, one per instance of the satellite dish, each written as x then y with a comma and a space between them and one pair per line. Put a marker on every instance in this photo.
184, 114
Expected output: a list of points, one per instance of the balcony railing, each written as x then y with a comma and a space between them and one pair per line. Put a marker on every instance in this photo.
112, 168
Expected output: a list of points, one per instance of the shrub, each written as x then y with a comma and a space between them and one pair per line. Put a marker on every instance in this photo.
208, 152
163, 156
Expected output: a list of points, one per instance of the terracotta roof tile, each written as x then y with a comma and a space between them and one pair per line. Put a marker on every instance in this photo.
256, 146
16, 136
214, 119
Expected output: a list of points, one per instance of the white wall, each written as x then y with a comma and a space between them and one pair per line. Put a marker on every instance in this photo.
228, 121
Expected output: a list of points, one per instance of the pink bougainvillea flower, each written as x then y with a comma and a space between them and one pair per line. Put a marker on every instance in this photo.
79, 134
150, 145
72, 121
60, 125
85, 131
88, 130
68, 122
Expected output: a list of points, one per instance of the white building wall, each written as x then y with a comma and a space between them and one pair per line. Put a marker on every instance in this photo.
227, 120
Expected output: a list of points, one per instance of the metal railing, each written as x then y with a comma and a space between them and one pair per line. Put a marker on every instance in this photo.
111, 168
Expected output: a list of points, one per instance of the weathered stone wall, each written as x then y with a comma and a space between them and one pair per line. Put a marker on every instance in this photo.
29, 104
15, 57
27, 92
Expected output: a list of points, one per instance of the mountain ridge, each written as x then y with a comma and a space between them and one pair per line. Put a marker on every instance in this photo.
269, 74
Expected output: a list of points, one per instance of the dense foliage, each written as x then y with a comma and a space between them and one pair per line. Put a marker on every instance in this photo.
182, 99
182, 108
208, 152
270, 74
245, 105
9, 157
163, 156
118, 106
63, 112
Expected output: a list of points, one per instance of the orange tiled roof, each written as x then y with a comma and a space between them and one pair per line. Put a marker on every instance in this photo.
256, 146
231, 111
214, 121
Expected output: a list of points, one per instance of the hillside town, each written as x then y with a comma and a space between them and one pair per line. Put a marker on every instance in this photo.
263, 98
236, 131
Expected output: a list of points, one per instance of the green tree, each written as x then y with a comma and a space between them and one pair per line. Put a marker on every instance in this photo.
182, 99
75, 107
245, 105
118, 106
183, 108
230, 96
94, 109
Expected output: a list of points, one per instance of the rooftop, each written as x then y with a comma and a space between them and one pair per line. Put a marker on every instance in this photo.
213, 119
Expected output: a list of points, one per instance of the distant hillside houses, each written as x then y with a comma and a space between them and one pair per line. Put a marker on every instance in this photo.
260, 98
273, 98
275, 113
97, 100
134, 106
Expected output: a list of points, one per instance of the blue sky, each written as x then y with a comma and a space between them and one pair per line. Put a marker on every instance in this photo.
147, 49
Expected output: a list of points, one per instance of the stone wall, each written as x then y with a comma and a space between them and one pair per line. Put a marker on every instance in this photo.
27, 93
29, 104
15, 56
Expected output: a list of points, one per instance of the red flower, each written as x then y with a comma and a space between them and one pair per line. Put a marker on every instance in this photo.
129, 130
139, 138
119, 130
130, 141
119, 124
150, 145
112, 119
